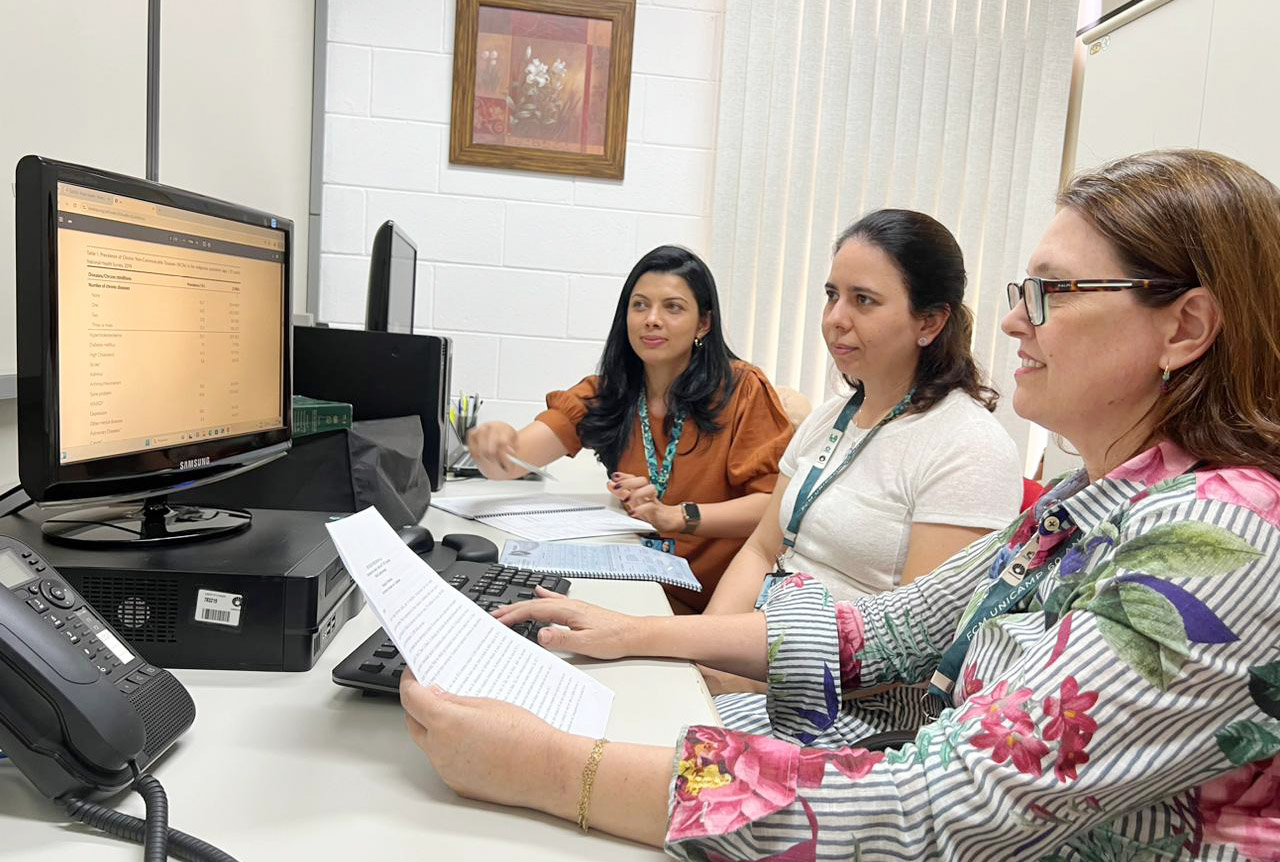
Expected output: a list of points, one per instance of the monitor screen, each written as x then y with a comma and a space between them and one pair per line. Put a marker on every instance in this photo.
153, 338
392, 277
138, 280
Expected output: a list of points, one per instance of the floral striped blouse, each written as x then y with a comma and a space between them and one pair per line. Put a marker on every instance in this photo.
1127, 710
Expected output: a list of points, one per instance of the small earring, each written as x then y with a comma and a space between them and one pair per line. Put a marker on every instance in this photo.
923, 342
1164, 379
697, 342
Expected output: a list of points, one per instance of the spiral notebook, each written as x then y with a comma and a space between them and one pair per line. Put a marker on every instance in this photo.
596, 560
543, 517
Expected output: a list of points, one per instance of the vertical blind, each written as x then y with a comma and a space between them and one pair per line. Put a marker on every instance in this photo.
832, 108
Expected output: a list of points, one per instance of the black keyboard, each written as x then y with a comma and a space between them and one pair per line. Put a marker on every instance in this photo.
375, 666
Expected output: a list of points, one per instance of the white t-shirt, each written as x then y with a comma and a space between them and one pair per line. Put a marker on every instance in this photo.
953, 464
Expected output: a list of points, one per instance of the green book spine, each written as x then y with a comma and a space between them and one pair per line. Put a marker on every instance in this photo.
314, 416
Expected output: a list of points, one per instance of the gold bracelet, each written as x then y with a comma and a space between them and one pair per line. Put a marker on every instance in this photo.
589, 780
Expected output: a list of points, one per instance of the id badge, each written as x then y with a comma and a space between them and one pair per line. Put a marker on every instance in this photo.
771, 580
660, 543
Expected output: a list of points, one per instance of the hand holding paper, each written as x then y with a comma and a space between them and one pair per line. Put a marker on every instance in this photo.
450, 642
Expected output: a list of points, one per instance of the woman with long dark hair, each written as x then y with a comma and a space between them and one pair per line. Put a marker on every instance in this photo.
689, 434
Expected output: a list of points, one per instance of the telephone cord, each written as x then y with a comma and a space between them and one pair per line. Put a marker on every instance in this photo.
174, 841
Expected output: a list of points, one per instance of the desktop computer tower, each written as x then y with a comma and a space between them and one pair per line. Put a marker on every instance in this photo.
382, 375
269, 598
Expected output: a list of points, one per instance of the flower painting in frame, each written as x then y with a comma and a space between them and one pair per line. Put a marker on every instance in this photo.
542, 85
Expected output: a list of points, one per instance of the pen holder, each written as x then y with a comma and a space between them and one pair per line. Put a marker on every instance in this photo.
457, 453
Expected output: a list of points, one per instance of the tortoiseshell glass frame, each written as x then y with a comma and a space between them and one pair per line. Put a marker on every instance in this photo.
1038, 309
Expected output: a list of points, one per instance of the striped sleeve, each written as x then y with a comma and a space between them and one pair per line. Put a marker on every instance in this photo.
1057, 743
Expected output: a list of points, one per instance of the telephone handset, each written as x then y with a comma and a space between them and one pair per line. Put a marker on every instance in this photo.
77, 705
81, 714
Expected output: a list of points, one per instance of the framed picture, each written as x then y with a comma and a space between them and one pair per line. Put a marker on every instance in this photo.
542, 85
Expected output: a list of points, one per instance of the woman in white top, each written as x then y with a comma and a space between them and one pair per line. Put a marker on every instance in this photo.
880, 521
921, 468
934, 470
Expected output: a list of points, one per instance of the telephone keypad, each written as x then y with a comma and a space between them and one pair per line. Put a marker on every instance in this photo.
79, 627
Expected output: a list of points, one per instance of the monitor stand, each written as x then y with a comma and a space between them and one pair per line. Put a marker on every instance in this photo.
147, 523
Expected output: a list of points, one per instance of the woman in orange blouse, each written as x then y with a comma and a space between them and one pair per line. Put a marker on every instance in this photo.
690, 434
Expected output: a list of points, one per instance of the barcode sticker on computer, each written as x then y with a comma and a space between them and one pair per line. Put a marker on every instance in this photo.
220, 608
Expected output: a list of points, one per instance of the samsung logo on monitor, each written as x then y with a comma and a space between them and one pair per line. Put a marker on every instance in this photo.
192, 463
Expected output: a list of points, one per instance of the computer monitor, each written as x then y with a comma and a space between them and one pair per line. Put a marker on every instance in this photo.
392, 274
153, 350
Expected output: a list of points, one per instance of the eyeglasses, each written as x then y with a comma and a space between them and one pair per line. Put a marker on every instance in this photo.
1031, 291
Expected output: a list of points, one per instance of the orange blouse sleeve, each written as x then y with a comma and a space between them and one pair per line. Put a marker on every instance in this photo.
565, 410
760, 433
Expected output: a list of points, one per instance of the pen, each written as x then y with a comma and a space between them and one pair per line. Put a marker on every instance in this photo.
537, 471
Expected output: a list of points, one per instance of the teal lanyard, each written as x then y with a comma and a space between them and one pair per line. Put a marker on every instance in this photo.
1017, 583
659, 476
808, 493
1013, 587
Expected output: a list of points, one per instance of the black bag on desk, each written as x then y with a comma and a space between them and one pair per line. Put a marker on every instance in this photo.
376, 463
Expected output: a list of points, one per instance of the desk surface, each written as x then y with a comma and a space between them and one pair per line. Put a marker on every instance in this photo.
291, 766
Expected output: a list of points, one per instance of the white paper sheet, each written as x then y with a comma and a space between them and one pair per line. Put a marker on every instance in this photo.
543, 517
449, 641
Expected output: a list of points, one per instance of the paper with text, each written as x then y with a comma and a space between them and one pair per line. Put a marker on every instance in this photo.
449, 641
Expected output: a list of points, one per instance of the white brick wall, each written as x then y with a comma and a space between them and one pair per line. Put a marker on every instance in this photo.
521, 269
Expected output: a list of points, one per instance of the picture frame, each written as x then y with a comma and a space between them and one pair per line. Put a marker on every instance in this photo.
528, 92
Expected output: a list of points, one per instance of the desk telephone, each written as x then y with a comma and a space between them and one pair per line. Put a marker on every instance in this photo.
81, 714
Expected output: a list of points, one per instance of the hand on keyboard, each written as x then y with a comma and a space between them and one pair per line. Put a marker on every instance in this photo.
592, 631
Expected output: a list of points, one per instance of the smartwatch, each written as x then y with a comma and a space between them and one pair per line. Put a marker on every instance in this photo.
692, 517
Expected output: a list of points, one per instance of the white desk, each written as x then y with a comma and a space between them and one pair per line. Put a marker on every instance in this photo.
290, 766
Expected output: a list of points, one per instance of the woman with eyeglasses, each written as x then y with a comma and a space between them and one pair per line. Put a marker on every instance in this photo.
1104, 673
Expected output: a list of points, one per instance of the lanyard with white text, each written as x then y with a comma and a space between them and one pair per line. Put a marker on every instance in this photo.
808, 493
1010, 590
1017, 582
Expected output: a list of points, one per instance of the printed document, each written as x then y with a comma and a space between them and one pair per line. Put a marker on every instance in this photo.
449, 641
